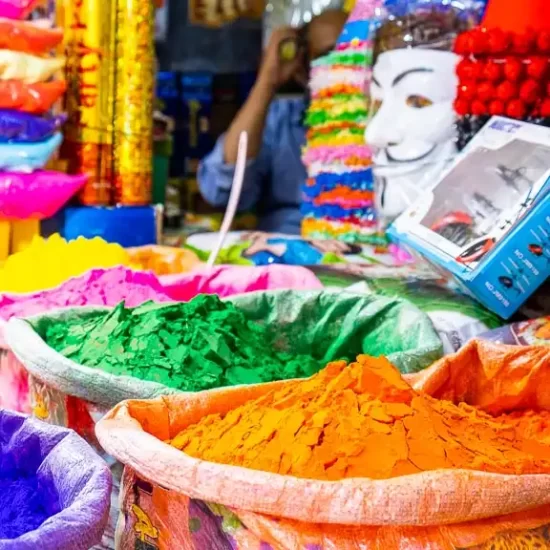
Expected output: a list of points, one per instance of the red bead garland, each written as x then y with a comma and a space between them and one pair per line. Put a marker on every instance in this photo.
503, 73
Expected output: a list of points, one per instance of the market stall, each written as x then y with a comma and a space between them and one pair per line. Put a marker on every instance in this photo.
176, 371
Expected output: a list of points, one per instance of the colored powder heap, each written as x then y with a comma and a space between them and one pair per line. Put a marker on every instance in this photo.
46, 263
364, 420
98, 287
196, 345
22, 506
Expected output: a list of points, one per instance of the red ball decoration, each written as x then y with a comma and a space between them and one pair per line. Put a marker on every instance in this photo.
468, 69
513, 69
543, 42
462, 107
537, 67
516, 109
467, 90
478, 42
545, 108
485, 91
462, 44
506, 91
496, 107
492, 71
498, 41
530, 91
523, 43
478, 108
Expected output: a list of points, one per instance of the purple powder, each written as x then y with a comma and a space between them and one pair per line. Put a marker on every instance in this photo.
24, 505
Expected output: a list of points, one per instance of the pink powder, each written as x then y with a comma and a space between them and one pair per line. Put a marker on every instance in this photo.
98, 287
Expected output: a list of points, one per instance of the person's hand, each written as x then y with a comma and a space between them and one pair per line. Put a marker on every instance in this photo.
274, 72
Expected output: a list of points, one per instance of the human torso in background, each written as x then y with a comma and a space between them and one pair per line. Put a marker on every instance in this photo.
274, 179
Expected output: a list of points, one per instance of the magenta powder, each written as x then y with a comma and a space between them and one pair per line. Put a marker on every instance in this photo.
98, 287
24, 506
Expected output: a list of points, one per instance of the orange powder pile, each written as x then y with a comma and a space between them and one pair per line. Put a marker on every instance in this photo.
364, 420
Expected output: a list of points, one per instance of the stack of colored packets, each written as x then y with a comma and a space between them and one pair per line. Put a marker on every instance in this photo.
197, 345
47, 263
28, 135
338, 194
363, 420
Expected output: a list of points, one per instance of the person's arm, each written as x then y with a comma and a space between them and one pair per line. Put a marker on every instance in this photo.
216, 170
251, 118
215, 176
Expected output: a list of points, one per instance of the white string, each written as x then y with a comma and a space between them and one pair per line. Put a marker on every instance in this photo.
234, 196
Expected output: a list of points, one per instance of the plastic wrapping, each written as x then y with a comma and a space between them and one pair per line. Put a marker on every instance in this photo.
21, 127
88, 145
523, 333
26, 36
16, 9
300, 321
411, 127
231, 280
64, 464
37, 195
28, 68
439, 509
30, 98
110, 286
26, 157
133, 95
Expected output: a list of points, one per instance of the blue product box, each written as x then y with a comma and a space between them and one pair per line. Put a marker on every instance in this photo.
486, 221
126, 225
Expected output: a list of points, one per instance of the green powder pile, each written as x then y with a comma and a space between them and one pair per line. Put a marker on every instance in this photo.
192, 346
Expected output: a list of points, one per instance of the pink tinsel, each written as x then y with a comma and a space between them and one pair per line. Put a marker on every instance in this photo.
329, 153
364, 10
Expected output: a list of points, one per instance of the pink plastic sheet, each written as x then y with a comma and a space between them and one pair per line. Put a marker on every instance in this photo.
230, 280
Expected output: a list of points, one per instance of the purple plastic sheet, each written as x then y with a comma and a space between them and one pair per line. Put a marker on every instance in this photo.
17, 127
64, 465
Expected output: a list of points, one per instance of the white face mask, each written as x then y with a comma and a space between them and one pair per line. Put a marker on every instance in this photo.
412, 92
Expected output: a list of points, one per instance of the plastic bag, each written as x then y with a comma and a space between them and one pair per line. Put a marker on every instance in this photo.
65, 465
26, 157
23, 127
28, 68
26, 36
37, 195
17, 9
327, 325
229, 280
14, 382
439, 510
96, 287
110, 286
412, 126
30, 98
